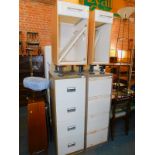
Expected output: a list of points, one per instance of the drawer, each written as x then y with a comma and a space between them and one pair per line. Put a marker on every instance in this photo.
70, 144
75, 10
97, 121
70, 113
97, 137
99, 104
104, 17
101, 85
69, 91
70, 128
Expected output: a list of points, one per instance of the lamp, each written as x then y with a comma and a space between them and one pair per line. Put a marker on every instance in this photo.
118, 56
122, 55
113, 56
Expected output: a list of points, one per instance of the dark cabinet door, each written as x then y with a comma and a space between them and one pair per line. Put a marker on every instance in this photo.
37, 130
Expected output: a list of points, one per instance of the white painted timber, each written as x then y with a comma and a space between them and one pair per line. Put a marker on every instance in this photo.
103, 16
73, 42
71, 9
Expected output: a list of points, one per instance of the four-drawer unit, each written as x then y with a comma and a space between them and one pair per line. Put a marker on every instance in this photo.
98, 108
68, 106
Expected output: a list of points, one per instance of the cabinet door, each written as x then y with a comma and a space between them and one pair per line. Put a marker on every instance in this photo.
37, 131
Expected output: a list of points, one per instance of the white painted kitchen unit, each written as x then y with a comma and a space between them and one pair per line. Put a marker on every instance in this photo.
99, 89
68, 109
100, 25
69, 33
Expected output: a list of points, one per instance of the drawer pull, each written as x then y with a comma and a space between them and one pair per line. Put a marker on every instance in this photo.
71, 109
71, 89
71, 128
102, 16
76, 9
105, 16
71, 144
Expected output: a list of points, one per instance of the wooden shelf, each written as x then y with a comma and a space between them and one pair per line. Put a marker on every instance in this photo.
118, 64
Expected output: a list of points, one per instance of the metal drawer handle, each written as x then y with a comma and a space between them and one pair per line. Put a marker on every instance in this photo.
76, 9
105, 16
71, 109
71, 144
71, 128
71, 89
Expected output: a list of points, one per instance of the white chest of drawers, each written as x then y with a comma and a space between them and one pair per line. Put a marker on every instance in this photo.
68, 106
98, 109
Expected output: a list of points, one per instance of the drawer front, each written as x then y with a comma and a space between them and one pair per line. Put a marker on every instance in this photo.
70, 90
70, 113
75, 10
99, 104
70, 128
70, 144
97, 137
70, 98
97, 122
101, 85
104, 17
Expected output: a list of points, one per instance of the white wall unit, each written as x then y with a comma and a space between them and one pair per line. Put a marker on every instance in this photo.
100, 36
103, 25
69, 108
102, 43
98, 109
71, 24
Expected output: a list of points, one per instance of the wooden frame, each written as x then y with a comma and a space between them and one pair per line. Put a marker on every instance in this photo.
69, 33
99, 42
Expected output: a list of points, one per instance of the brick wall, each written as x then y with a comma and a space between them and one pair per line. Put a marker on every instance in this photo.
115, 29
35, 17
